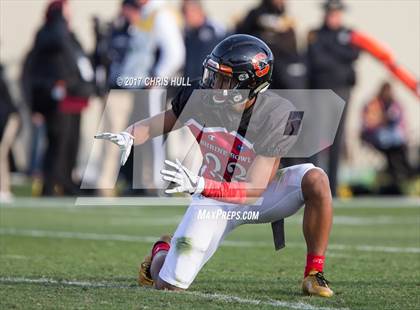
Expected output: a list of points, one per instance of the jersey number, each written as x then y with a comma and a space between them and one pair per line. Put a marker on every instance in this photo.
212, 160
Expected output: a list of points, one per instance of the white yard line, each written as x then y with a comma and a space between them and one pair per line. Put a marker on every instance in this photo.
145, 221
215, 297
296, 219
364, 221
132, 201
101, 202
13, 256
227, 243
23, 280
74, 235
274, 303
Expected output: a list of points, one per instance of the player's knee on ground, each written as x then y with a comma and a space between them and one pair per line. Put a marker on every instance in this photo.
190, 250
184, 259
162, 285
315, 185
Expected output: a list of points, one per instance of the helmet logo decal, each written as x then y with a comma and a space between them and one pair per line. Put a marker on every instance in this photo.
260, 64
243, 77
237, 98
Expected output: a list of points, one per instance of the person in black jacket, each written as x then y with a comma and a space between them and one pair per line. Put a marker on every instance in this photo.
38, 127
270, 22
330, 64
61, 85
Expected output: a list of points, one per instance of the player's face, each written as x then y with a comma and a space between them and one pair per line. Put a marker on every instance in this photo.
240, 107
223, 86
216, 80
237, 107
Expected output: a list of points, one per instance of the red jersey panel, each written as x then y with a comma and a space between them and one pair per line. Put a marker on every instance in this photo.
227, 156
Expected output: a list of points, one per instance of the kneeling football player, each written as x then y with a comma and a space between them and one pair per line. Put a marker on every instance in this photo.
240, 128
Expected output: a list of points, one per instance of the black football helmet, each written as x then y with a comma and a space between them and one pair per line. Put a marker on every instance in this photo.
239, 62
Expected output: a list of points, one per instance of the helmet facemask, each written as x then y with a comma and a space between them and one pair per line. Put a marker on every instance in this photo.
229, 87
224, 87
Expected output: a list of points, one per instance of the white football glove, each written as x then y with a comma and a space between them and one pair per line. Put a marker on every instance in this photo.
185, 180
124, 141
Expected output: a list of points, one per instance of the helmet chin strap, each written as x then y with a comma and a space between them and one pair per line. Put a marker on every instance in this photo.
265, 87
235, 98
238, 98
260, 89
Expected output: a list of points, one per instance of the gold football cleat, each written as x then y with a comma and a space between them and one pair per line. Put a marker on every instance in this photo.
315, 284
145, 277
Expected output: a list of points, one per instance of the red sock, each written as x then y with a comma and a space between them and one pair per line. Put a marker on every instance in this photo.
160, 246
314, 262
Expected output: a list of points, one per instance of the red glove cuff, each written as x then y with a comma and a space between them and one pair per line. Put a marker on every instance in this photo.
233, 192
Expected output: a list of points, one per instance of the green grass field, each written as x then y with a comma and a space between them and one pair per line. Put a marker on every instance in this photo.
56, 255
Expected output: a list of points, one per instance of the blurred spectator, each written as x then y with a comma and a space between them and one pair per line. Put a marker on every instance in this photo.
9, 124
145, 42
330, 66
383, 128
61, 83
201, 34
38, 130
154, 47
125, 45
122, 45
270, 22
100, 55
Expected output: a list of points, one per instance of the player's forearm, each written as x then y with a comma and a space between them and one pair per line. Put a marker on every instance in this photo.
261, 173
140, 131
152, 127
232, 192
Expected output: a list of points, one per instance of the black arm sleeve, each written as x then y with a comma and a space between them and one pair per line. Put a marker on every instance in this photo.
178, 103
183, 97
